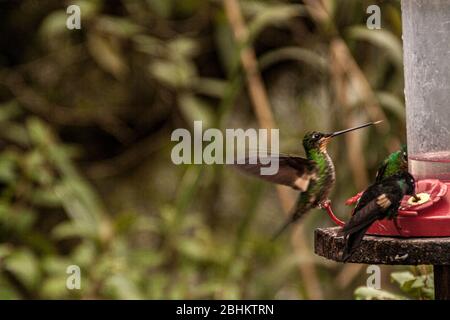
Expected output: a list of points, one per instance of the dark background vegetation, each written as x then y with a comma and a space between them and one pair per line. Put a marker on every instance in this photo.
85, 122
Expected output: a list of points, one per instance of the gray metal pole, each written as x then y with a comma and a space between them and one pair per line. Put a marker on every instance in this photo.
426, 49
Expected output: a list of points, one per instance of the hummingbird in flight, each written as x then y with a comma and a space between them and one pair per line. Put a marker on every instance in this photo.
314, 175
380, 200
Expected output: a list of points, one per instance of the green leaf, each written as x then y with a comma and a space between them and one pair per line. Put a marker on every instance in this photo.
5, 250
107, 55
392, 103
117, 26
45, 197
9, 110
24, 265
71, 229
54, 287
8, 167
419, 287
55, 265
177, 74
210, 86
183, 47
274, 16
16, 218
404, 279
195, 109
88, 8
36, 169
368, 293
161, 7
54, 23
120, 287
149, 45
382, 38
305, 56
84, 254
14, 132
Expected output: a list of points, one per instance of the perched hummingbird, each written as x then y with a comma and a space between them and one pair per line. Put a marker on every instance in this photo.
313, 176
396, 162
380, 200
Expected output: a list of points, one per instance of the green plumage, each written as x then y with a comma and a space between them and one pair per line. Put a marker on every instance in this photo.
379, 201
313, 176
321, 184
396, 162
319, 188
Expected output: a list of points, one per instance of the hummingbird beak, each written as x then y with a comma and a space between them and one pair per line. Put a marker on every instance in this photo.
416, 197
337, 133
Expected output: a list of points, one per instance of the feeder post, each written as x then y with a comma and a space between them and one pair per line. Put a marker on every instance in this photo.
426, 49
441, 282
426, 44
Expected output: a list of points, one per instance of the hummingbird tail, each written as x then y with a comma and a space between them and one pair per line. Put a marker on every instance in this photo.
353, 241
282, 229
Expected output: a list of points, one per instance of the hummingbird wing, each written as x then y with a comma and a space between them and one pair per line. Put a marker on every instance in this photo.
293, 171
380, 172
356, 228
373, 205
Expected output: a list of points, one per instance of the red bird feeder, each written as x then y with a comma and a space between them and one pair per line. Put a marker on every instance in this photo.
421, 232
427, 95
429, 217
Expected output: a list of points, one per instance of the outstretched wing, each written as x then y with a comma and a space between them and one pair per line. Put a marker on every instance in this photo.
295, 172
381, 170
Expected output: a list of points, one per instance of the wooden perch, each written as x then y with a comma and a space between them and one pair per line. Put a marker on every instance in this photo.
392, 251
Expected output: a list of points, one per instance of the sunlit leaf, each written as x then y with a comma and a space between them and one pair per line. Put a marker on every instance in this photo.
8, 167
175, 74
194, 109
54, 23
274, 16
392, 103
122, 288
382, 38
107, 54
117, 26
368, 293
305, 56
161, 7
23, 264
9, 110
183, 47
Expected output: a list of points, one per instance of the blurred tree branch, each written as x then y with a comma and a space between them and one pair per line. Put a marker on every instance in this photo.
261, 105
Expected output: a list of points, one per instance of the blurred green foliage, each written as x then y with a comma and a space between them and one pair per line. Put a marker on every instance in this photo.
86, 116
414, 284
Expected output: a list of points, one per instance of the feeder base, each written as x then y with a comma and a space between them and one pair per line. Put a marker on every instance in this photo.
435, 226
329, 243
431, 220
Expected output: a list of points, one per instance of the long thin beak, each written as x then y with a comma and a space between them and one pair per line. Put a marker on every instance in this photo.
416, 197
337, 133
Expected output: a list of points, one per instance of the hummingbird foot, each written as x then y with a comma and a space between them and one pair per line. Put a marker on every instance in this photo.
326, 205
